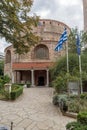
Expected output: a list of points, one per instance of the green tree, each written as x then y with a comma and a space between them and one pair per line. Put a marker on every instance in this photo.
72, 40
60, 66
60, 69
59, 72
16, 25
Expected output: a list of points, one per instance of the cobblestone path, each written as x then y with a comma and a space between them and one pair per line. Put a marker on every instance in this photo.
33, 111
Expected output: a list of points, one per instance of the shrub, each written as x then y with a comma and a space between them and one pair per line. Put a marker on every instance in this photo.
72, 125
20, 84
5, 94
16, 92
82, 118
3, 80
55, 100
73, 97
83, 96
28, 84
60, 85
77, 103
61, 101
76, 126
73, 105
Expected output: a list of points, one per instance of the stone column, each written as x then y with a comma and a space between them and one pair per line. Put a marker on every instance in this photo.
15, 77
32, 78
18, 77
12, 76
47, 78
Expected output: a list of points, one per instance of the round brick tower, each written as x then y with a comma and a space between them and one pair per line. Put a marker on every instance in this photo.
34, 66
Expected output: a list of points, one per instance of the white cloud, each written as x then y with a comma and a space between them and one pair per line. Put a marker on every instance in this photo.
67, 11
3, 45
43, 13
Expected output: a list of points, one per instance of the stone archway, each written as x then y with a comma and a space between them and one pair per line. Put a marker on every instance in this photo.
40, 77
41, 52
41, 81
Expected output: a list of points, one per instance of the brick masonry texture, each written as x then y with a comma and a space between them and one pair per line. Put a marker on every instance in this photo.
50, 32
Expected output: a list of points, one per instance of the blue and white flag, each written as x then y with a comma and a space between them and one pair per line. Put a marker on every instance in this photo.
62, 39
78, 44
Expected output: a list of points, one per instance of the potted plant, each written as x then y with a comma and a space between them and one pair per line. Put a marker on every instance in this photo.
28, 84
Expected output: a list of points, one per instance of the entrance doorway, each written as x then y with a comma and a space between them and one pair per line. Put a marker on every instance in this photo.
41, 81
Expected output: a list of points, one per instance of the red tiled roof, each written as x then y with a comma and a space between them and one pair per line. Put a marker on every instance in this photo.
35, 65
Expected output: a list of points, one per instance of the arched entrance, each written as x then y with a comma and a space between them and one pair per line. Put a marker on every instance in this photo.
40, 77
41, 81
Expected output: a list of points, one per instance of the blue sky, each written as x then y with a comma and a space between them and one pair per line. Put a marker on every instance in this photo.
67, 11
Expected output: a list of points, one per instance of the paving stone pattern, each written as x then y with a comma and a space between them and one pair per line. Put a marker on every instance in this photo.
33, 111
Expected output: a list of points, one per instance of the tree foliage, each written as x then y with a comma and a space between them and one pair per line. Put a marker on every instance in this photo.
72, 40
16, 25
60, 68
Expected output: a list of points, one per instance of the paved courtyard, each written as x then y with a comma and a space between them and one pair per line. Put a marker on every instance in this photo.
33, 111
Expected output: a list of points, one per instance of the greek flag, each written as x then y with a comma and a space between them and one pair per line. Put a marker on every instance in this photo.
62, 39
78, 44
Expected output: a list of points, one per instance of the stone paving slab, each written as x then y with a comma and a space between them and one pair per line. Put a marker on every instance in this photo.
33, 111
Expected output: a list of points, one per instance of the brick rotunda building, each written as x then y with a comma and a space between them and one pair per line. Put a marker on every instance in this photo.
34, 66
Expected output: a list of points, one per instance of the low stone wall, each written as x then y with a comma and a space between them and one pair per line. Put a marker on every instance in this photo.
70, 114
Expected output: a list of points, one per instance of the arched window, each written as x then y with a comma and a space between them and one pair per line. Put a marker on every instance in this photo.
8, 57
41, 52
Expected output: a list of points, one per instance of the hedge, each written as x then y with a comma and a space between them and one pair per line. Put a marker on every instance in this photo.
82, 118
76, 126
73, 125
81, 123
83, 96
16, 93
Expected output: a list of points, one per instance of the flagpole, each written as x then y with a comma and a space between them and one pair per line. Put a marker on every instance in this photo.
79, 55
80, 70
67, 57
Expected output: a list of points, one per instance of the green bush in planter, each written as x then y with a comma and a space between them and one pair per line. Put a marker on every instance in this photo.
76, 126
17, 84
83, 96
61, 101
73, 105
82, 118
55, 100
16, 93
28, 84
73, 125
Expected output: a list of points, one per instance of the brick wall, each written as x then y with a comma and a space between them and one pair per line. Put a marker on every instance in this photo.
49, 31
